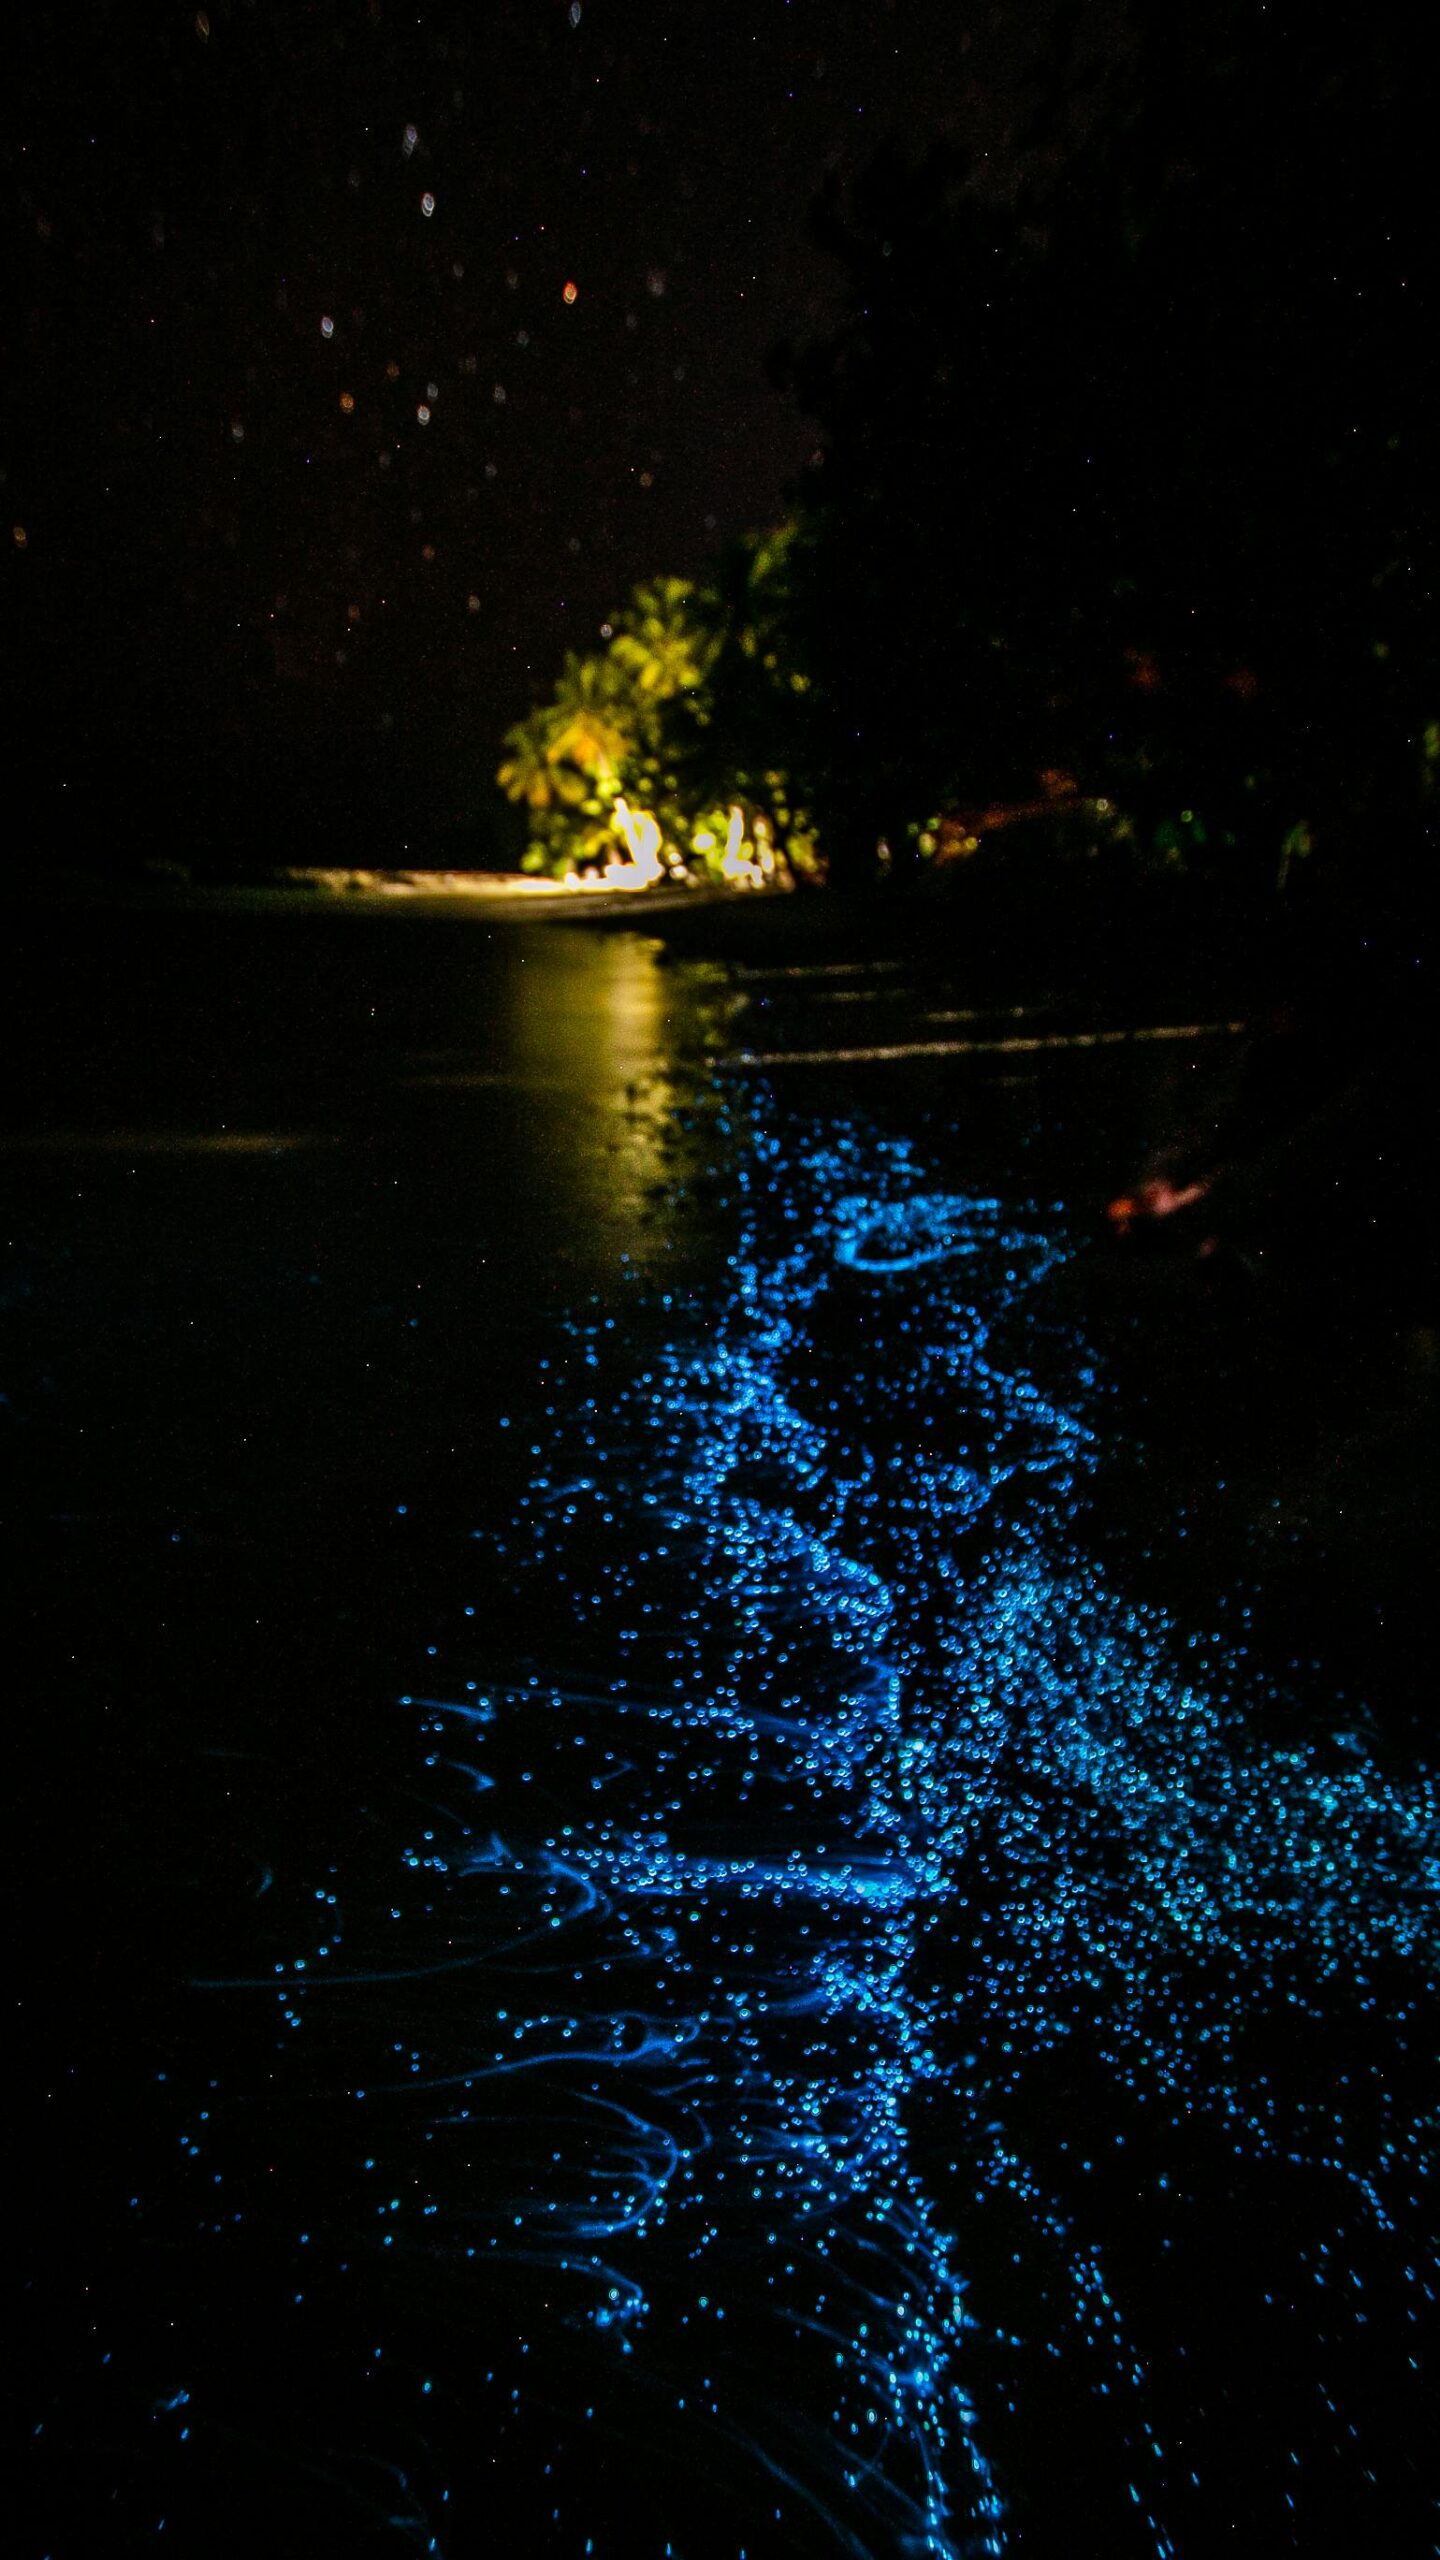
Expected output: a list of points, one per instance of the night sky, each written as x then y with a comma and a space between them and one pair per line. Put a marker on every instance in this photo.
367, 355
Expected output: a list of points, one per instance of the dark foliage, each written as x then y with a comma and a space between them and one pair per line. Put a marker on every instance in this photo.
1131, 476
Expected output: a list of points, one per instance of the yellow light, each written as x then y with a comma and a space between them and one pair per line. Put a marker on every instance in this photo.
642, 840
21, 537
737, 864
347, 401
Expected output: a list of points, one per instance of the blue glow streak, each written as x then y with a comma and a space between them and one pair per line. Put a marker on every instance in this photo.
860, 1797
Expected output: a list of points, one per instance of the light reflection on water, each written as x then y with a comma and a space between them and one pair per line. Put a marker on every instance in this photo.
599, 1032
852, 1858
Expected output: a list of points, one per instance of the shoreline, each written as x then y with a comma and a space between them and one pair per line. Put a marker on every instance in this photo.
457, 897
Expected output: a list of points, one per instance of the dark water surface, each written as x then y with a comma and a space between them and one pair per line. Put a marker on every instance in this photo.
721, 1849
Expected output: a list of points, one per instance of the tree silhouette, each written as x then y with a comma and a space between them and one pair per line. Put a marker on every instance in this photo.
1128, 475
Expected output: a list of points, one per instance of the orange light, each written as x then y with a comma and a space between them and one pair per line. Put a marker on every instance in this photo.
571, 293
347, 401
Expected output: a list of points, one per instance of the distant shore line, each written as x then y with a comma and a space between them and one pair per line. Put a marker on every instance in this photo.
341, 888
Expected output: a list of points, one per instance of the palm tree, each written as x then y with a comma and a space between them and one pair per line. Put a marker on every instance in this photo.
527, 773
661, 644
572, 746
592, 724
